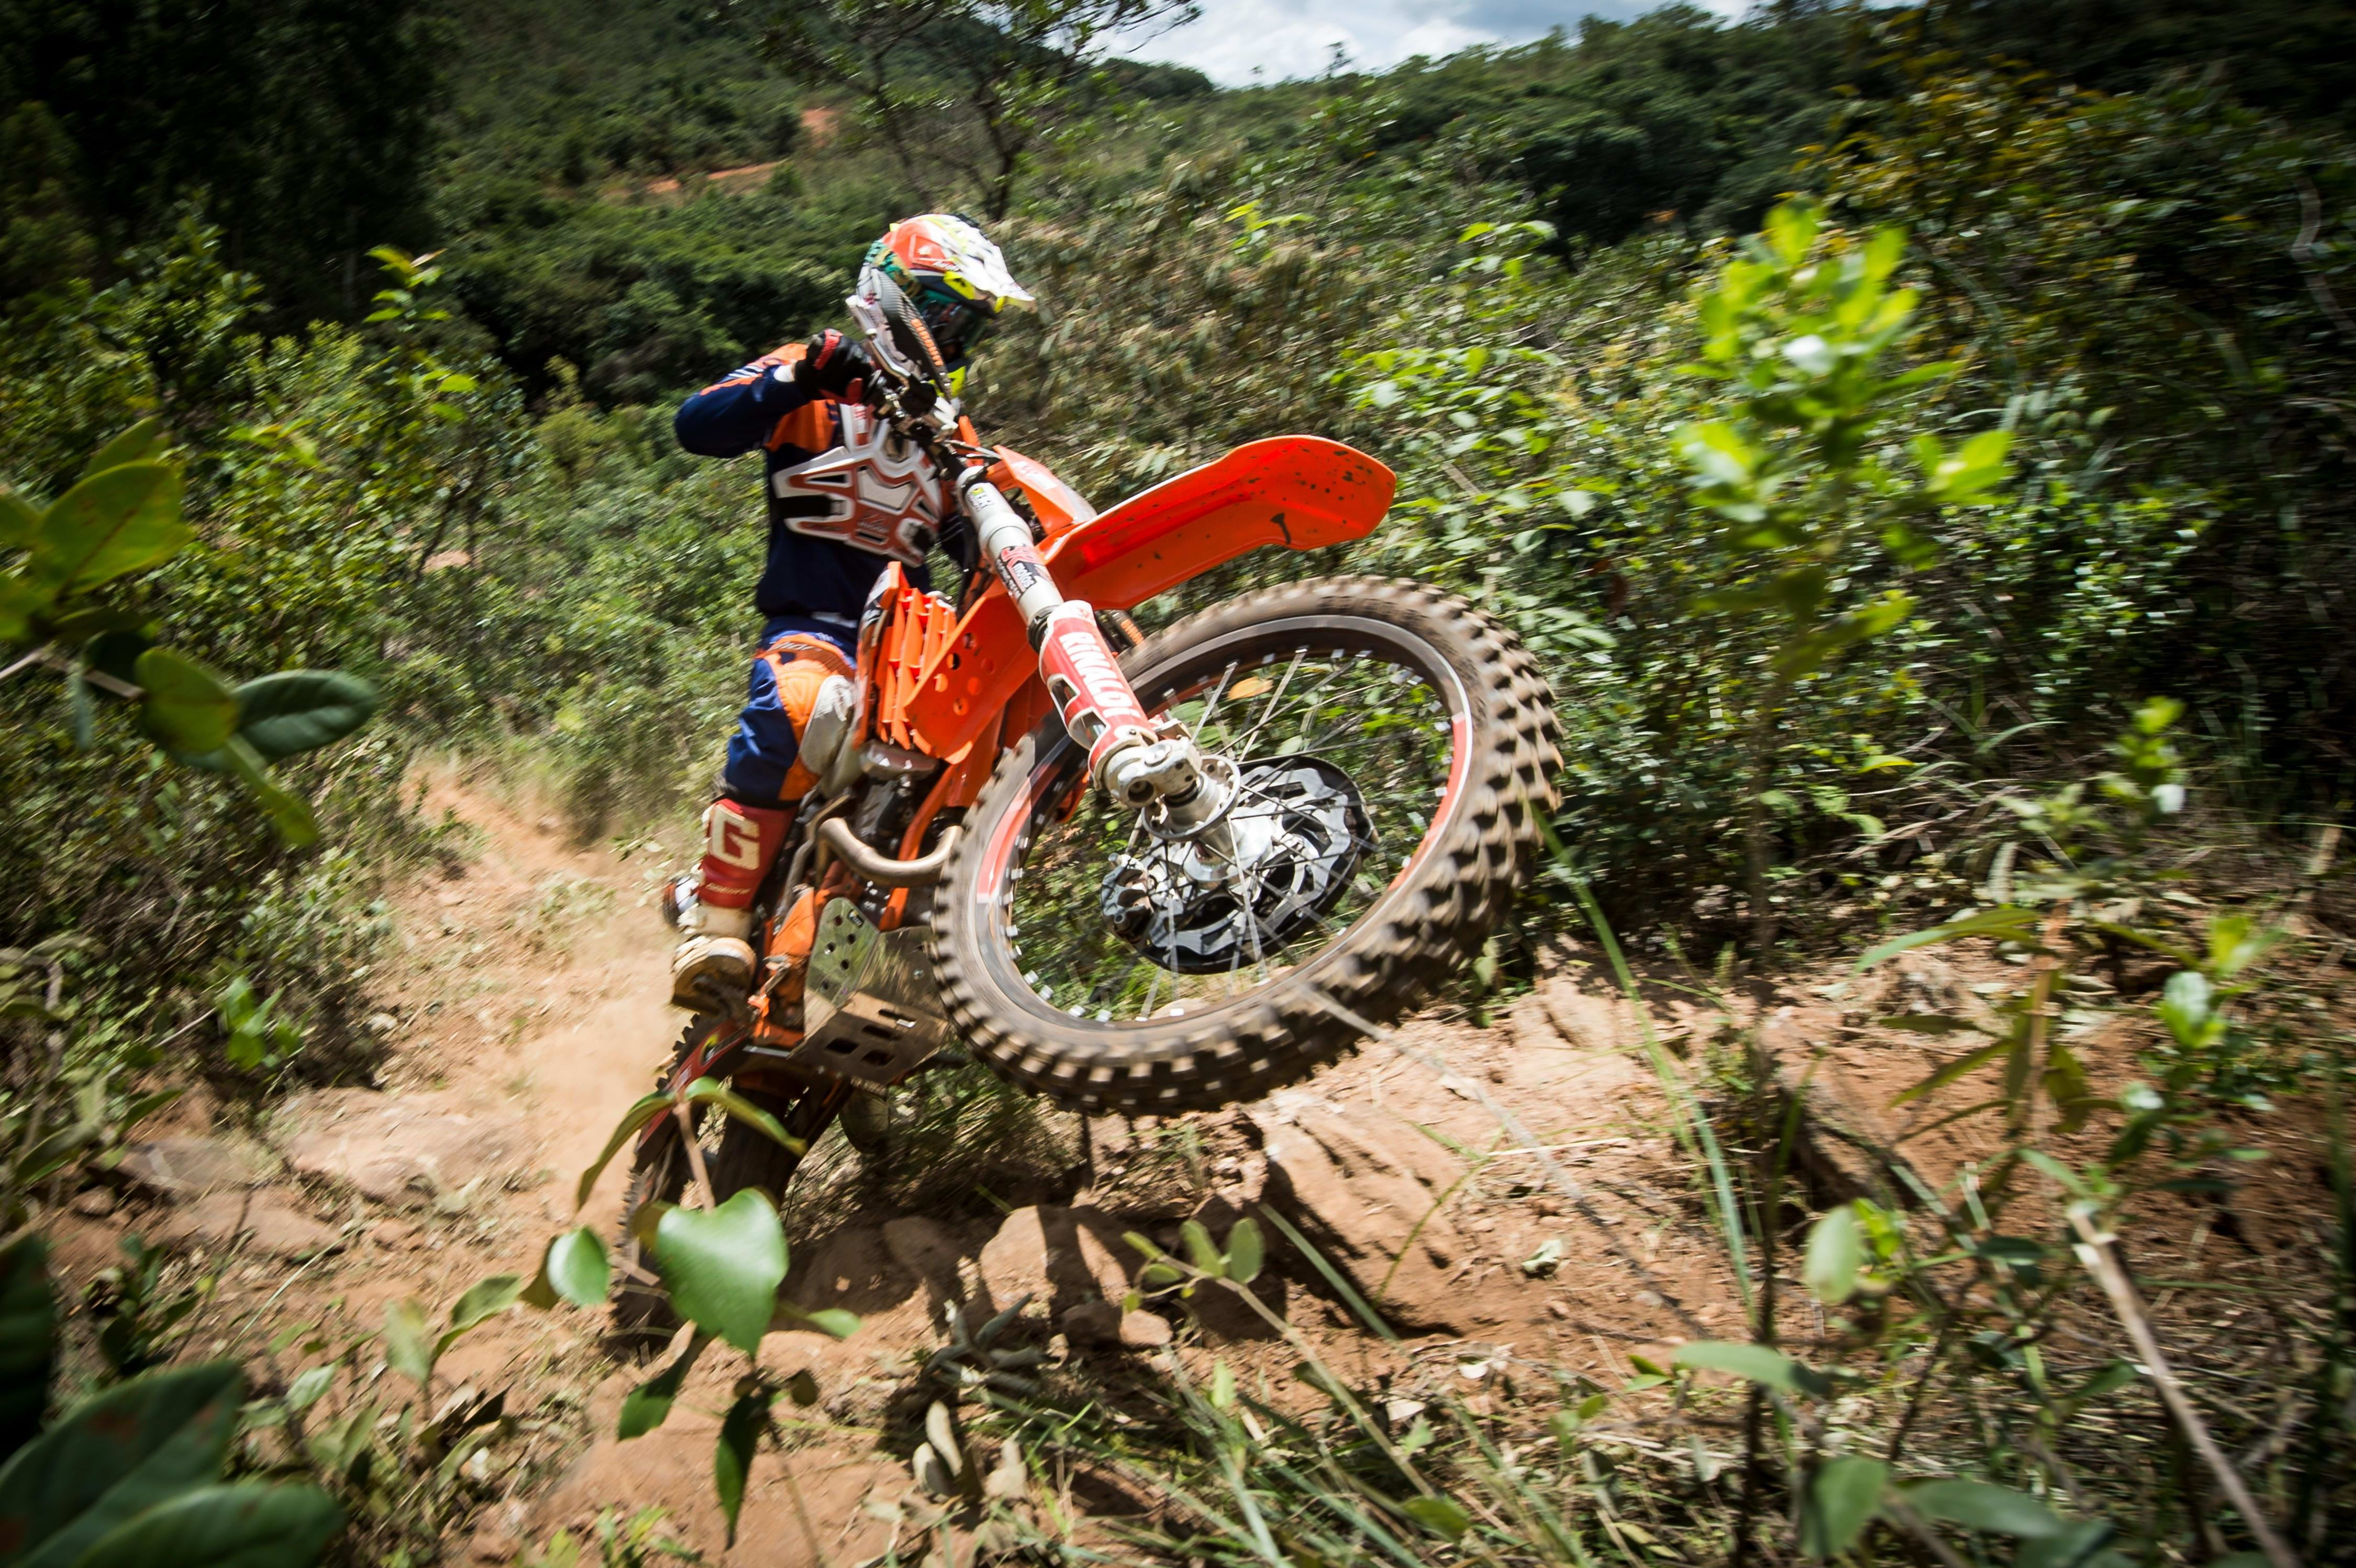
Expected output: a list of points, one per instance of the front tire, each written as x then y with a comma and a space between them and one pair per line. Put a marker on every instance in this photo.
1367, 700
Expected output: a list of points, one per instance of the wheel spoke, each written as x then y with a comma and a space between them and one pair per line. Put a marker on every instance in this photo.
1312, 828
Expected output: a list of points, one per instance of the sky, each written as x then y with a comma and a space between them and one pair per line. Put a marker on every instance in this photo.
1239, 42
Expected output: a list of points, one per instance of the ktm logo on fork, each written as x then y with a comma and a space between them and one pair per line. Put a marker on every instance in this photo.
1096, 674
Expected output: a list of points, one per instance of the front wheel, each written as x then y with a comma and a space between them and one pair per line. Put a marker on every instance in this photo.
1390, 752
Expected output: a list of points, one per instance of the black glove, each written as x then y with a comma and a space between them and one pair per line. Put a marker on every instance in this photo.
833, 366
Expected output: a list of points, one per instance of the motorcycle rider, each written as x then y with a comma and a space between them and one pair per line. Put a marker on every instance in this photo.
844, 498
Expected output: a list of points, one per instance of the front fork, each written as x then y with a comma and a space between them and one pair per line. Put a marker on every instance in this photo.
1131, 758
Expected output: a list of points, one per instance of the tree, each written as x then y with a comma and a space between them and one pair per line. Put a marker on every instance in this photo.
303, 125
969, 87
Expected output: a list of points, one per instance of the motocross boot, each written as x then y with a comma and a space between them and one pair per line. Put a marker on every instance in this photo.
716, 952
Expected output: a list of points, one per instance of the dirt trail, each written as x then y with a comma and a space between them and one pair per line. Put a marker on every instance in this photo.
526, 1003
536, 978
525, 1010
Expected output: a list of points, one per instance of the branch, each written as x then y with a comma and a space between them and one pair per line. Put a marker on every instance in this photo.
2094, 1251
2302, 250
47, 654
38, 656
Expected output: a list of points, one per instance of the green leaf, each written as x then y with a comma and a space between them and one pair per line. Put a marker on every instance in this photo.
123, 520
1717, 454
484, 1300
573, 1269
90, 621
1842, 1497
1756, 1362
1803, 654
2109, 1381
2081, 1544
722, 1268
249, 1525
712, 1092
2235, 941
408, 1340
1246, 1251
112, 1457
19, 519
308, 1388
20, 604
139, 444
1976, 1505
2006, 923
187, 707
644, 1111
1836, 1251
28, 1339
342, 1449
1201, 1248
301, 709
288, 812
648, 1404
1439, 1515
831, 1320
1948, 1072
2184, 1006
731, 1460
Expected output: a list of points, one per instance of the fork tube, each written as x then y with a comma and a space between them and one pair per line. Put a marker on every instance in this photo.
1127, 756
1006, 545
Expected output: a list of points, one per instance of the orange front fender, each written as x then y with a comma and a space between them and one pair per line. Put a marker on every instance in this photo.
1299, 491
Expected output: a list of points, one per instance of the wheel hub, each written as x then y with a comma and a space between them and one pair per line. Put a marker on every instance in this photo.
1280, 856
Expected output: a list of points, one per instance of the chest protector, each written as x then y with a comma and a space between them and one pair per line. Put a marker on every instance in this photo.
873, 491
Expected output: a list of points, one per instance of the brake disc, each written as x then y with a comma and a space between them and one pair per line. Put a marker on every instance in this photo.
1299, 827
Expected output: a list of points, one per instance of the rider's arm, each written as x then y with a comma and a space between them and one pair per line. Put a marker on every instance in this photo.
746, 411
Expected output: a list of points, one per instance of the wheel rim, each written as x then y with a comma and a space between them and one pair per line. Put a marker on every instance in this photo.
1351, 739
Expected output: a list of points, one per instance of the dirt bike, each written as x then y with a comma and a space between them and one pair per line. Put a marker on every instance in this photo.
1138, 875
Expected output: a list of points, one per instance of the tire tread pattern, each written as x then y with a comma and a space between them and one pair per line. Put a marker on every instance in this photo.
1391, 960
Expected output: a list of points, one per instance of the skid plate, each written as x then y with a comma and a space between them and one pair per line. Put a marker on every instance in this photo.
869, 1006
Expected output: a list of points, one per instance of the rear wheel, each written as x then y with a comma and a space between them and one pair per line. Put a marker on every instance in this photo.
1392, 751
735, 1157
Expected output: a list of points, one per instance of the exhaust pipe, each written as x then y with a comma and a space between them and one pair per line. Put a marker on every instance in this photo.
871, 865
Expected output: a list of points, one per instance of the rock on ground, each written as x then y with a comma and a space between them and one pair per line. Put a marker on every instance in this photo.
1059, 1256
268, 1217
1365, 1191
400, 1149
188, 1167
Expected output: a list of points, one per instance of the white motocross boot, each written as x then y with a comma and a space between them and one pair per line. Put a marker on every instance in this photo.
714, 949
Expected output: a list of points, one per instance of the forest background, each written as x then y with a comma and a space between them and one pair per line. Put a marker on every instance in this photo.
451, 474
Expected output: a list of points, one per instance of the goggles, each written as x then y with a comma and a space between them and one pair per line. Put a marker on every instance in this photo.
957, 325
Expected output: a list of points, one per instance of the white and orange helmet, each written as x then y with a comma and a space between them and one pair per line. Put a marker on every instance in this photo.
940, 284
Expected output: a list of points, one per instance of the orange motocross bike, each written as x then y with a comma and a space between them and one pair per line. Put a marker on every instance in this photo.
1141, 875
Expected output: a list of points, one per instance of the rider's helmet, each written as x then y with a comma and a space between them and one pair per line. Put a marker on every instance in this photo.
939, 277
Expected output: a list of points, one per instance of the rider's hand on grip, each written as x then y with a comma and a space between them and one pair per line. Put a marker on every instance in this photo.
833, 365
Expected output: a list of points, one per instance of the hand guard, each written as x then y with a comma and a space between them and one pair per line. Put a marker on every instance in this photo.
833, 366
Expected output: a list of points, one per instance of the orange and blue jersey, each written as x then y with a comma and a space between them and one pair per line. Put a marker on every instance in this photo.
810, 588
803, 576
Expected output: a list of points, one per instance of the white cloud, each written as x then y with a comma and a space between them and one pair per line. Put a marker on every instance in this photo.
1238, 42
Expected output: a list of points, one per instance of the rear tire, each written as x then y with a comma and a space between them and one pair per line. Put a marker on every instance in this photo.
1445, 898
